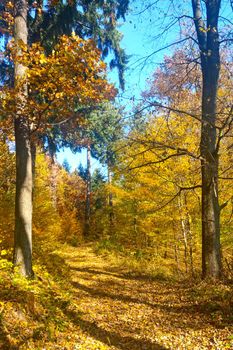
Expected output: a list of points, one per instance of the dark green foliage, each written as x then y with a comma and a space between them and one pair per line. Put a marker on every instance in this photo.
97, 180
82, 172
97, 185
66, 165
105, 128
89, 19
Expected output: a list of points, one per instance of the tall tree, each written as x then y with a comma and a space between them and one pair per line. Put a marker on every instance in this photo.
208, 43
106, 129
204, 25
23, 198
88, 192
49, 20
38, 100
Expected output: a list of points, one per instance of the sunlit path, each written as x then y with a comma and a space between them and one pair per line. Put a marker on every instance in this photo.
125, 312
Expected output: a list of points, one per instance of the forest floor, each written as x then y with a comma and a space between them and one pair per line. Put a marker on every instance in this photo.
103, 306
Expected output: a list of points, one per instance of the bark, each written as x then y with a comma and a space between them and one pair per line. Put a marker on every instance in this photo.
54, 173
24, 178
187, 233
176, 251
88, 193
33, 155
110, 202
135, 231
210, 64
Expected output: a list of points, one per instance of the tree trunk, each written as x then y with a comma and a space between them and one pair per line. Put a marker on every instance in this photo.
184, 232
210, 64
88, 193
176, 251
110, 202
24, 177
33, 155
23, 200
211, 256
187, 233
53, 183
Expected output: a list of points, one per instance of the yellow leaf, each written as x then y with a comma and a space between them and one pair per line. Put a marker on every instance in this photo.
3, 252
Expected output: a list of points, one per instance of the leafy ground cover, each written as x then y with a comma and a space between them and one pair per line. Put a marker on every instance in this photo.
81, 300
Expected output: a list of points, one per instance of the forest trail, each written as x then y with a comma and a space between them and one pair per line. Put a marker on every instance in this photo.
115, 310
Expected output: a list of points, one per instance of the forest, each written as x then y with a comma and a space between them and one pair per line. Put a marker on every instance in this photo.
133, 248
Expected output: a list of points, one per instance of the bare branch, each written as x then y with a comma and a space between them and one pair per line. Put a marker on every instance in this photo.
223, 205
177, 194
161, 145
146, 8
229, 122
146, 58
157, 161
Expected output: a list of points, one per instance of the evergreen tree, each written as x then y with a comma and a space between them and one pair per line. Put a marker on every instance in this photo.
66, 165
88, 19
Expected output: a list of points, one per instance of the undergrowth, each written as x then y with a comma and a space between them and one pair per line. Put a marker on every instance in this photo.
139, 262
32, 311
145, 262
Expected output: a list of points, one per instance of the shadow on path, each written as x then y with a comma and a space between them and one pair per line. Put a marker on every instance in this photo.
112, 338
206, 309
122, 275
101, 294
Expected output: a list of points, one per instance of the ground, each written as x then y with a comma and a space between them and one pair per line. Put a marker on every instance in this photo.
126, 312
104, 306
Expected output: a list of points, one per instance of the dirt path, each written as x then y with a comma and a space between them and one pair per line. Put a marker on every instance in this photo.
117, 311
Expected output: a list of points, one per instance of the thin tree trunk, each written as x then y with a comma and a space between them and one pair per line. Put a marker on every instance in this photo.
88, 193
54, 172
24, 179
187, 233
33, 154
185, 244
210, 64
176, 248
110, 201
135, 231
184, 232
165, 252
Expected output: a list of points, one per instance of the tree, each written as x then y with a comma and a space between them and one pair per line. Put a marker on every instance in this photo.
88, 191
205, 19
23, 198
40, 101
158, 184
47, 22
66, 165
208, 43
105, 129
101, 129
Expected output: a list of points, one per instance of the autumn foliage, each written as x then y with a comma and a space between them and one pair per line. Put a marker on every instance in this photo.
71, 76
132, 280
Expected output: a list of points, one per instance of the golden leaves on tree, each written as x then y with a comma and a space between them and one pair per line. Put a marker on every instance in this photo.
72, 75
